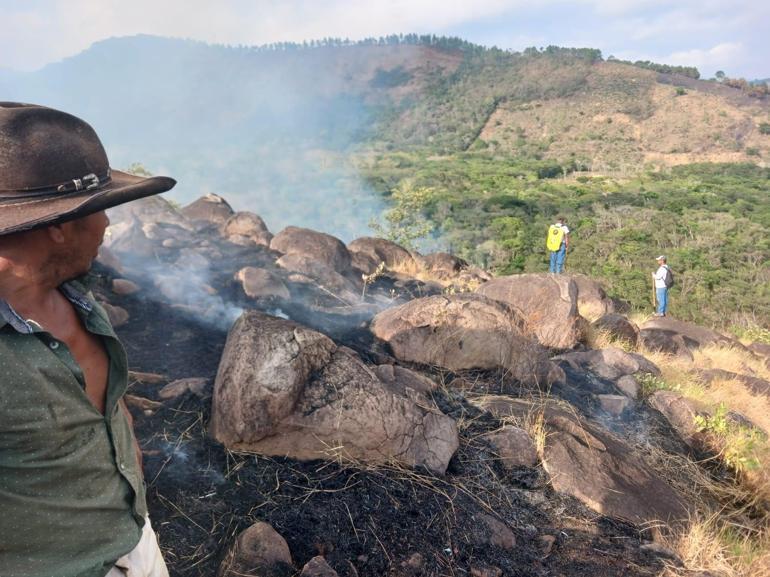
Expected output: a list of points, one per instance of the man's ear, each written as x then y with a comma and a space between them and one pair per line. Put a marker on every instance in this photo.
56, 232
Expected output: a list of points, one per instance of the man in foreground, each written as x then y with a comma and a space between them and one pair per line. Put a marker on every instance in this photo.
71, 487
558, 244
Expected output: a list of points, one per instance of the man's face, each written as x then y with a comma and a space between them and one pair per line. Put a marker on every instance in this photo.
82, 240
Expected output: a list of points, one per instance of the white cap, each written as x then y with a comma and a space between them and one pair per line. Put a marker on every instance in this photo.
661, 257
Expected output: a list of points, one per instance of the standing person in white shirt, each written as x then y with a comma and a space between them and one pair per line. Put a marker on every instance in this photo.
663, 279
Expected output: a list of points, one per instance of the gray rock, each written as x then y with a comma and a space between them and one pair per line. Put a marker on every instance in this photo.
464, 331
323, 249
629, 386
513, 446
260, 283
317, 567
597, 468
259, 551
247, 229
618, 327
209, 209
611, 363
547, 303
614, 404
592, 301
283, 389
369, 252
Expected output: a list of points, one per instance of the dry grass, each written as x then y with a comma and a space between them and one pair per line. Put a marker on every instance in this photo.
412, 268
595, 338
731, 359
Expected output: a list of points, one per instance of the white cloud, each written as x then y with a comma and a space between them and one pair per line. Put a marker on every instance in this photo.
719, 56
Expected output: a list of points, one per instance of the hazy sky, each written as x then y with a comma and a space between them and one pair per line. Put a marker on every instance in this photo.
729, 35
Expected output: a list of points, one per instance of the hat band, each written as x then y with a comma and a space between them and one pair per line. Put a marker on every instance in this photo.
88, 182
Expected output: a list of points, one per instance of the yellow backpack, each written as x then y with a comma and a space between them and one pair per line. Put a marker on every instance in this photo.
555, 236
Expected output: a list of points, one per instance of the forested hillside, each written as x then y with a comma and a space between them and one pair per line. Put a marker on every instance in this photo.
476, 148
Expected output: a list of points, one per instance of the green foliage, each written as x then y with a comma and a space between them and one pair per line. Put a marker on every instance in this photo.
754, 334
404, 222
649, 384
764, 127
680, 91
710, 219
138, 169
740, 443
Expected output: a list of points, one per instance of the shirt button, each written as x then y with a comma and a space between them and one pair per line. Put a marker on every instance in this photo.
54, 345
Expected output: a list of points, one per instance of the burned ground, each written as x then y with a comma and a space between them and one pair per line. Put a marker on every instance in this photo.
366, 521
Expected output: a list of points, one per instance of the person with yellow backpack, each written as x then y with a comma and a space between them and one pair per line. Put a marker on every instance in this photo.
558, 244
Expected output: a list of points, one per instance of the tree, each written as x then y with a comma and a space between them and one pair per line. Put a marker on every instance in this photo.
405, 222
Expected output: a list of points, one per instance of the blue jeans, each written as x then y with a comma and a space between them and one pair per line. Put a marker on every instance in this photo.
662, 295
557, 259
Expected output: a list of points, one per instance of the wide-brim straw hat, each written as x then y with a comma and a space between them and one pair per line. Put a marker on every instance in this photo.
53, 168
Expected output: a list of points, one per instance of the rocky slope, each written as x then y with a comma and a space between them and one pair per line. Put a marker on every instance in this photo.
304, 408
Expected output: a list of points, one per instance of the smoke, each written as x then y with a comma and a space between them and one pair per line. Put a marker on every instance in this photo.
274, 132
181, 277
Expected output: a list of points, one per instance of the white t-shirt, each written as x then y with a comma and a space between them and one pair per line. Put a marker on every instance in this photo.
563, 227
660, 276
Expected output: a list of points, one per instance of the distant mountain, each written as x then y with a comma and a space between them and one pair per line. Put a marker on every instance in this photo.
277, 129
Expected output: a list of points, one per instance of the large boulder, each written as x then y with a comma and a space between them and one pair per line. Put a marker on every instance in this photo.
668, 342
464, 331
283, 389
322, 248
618, 328
547, 303
442, 265
246, 228
208, 209
259, 283
317, 271
611, 363
680, 412
592, 301
694, 336
597, 468
369, 252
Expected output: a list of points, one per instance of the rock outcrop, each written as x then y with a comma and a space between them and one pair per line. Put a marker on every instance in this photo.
247, 229
209, 209
259, 283
596, 467
692, 336
369, 252
464, 331
592, 301
546, 302
283, 389
618, 328
611, 363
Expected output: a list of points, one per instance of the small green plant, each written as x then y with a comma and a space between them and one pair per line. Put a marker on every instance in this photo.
740, 444
650, 383
752, 151
680, 91
764, 127
754, 334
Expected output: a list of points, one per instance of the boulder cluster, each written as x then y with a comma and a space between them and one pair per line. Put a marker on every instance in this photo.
344, 353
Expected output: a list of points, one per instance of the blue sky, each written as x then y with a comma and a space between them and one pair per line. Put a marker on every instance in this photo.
729, 35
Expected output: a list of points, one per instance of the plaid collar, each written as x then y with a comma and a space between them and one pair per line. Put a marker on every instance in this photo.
73, 290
